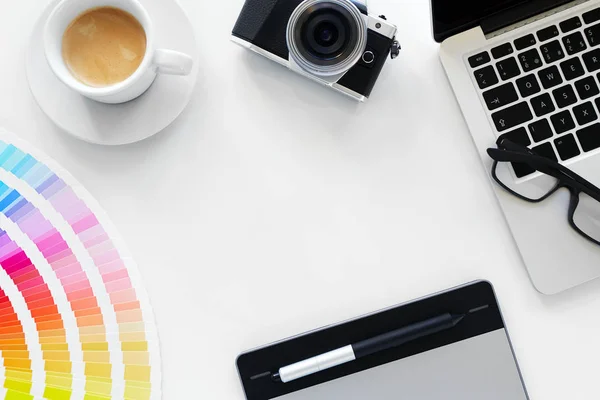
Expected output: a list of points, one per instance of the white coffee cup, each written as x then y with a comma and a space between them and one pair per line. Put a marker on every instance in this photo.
154, 61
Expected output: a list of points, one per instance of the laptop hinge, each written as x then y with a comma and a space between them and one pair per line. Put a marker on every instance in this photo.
520, 12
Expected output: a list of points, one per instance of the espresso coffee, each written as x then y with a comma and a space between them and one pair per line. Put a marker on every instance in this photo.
104, 46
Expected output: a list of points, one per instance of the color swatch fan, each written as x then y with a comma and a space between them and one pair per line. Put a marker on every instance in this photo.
75, 322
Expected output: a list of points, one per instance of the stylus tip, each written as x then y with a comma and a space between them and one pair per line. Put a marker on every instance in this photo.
259, 376
275, 377
474, 310
457, 318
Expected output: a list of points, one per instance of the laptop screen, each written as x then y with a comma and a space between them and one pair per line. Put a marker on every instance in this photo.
452, 17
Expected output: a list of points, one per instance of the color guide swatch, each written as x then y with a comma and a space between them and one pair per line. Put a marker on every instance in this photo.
75, 321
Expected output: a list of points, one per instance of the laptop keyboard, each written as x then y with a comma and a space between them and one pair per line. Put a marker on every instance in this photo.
542, 90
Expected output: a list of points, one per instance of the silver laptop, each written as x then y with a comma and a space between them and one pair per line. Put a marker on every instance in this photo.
530, 70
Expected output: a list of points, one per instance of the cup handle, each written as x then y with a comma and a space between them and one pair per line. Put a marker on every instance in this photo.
173, 62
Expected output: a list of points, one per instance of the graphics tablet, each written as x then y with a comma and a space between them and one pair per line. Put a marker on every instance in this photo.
470, 360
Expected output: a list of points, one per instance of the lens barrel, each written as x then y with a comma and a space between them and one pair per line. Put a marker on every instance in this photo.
326, 37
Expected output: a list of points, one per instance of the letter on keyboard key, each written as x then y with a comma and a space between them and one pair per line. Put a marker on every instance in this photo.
592, 60
486, 77
585, 113
500, 96
589, 137
552, 51
566, 147
564, 96
512, 116
562, 122
593, 35
550, 77
542, 104
572, 68
587, 87
528, 85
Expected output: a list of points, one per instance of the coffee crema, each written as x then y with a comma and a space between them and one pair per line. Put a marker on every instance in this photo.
104, 46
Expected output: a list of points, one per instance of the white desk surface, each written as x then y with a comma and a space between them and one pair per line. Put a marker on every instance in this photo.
275, 206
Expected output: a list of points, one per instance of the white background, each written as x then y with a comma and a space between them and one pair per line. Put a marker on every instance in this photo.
273, 206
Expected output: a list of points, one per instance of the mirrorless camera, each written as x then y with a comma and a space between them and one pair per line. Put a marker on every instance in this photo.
334, 42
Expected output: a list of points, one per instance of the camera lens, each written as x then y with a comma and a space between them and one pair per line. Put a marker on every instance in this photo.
326, 34
326, 37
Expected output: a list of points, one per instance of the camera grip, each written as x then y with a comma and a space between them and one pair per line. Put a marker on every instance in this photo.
252, 17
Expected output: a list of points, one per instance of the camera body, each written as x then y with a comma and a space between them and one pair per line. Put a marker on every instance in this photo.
334, 42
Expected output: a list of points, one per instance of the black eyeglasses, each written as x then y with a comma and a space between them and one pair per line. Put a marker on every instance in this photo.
584, 208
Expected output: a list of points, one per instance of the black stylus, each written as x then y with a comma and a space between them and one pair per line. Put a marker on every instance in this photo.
367, 347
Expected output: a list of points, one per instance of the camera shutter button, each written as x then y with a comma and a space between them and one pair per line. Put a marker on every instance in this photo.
368, 57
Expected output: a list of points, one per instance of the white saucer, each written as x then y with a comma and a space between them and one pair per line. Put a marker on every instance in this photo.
124, 123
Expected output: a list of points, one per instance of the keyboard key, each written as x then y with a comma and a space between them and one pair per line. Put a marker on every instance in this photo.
570, 24
550, 77
524, 42
522, 169
512, 116
547, 33
542, 104
591, 16
518, 136
528, 85
479, 59
593, 35
597, 101
564, 96
572, 68
508, 68
592, 60
587, 87
540, 130
589, 137
545, 150
500, 96
502, 50
486, 77
574, 43
552, 51
585, 113
530, 60
567, 147
562, 122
